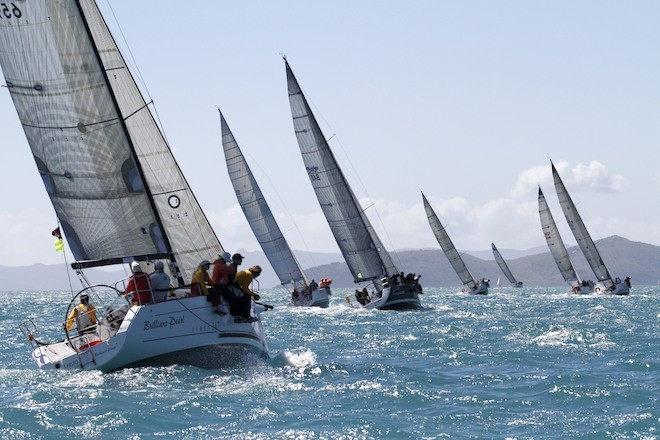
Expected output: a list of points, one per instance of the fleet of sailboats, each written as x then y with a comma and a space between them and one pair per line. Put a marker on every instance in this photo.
367, 258
605, 282
479, 287
265, 228
121, 198
505, 267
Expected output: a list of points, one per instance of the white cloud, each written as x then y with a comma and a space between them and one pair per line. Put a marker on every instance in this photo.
26, 238
594, 177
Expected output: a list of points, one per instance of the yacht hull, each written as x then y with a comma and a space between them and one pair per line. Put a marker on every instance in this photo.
181, 331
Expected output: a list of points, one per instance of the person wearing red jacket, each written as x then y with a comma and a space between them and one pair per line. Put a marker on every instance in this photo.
138, 285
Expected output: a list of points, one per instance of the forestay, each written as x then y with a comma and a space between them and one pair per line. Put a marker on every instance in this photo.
447, 246
363, 251
259, 215
110, 175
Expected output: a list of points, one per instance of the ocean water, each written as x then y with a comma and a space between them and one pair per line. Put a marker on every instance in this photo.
518, 363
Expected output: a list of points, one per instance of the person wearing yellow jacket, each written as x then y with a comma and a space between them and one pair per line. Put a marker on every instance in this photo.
84, 315
243, 279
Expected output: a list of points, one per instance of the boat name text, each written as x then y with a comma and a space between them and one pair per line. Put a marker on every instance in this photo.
171, 322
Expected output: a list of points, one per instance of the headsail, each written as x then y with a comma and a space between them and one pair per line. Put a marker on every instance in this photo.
447, 246
502, 263
363, 251
110, 175
555, 242
259, 215
580, 232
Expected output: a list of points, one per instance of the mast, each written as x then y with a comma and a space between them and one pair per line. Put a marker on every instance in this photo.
123, 122
363, 251
580, 232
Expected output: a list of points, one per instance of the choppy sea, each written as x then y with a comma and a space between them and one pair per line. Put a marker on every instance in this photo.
518, 363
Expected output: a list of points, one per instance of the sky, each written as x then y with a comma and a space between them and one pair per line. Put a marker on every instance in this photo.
466, 101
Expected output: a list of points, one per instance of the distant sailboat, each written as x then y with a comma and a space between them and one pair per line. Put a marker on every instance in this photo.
265, 227
607, 285
471, 286
365, 255
119, 196
558, 249
505, 267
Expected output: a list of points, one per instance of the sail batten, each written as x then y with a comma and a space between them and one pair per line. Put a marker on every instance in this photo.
361, 247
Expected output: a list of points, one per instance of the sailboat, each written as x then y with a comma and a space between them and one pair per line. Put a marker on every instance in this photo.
559, 251
605, 283
118, 194
479, 287
265, 227
365, 255
505, 267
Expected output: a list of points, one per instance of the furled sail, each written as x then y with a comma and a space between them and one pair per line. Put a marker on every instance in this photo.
555, 242
363, 251
447, 246
505, 267
580, 232
110, 175
259, 215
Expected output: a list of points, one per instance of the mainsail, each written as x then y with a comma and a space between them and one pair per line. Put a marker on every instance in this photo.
363, 251
555, 242
505, 267
580, 232
447, 246
111, 177
259, 215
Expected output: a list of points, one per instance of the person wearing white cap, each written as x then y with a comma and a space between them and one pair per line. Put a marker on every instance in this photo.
222, 272
201, 279
160, 282
138, 285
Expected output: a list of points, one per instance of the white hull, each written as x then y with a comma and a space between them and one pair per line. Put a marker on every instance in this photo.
619, 289
181, 331
320, 298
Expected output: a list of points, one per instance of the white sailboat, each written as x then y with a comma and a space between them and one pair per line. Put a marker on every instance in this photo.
559, 251
605, 283
118, 193
367, 258
479, 287
505, 267
265, 227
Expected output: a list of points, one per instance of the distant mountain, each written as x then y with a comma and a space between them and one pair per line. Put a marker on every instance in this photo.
640, 261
